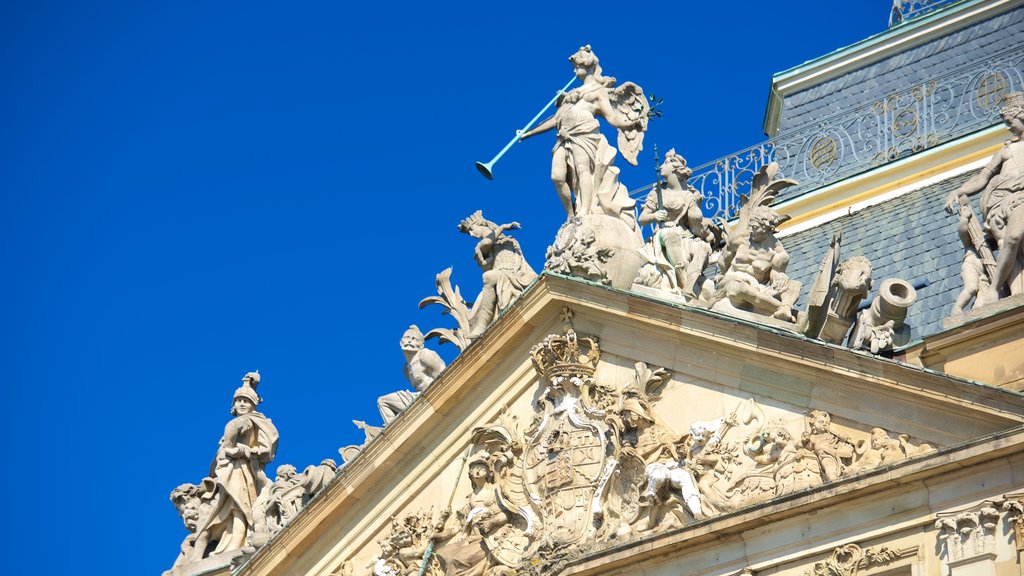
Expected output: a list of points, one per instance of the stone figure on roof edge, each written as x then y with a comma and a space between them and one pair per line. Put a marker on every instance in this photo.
506, 274
422, 366
236, 509
678, 251
753, 263
224, 521
600, 236
582, 158
1001, 184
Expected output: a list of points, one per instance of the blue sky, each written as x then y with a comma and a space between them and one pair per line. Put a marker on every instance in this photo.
193, 190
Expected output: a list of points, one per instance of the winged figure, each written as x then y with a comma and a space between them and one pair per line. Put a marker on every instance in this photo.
582, 158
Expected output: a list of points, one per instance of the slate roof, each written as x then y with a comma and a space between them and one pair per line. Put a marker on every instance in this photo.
863, 86
910, 237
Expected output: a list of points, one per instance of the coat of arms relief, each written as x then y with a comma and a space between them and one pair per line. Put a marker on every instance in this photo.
595, 465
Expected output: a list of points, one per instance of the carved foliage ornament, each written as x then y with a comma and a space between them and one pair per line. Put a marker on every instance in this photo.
849, 559
968, 534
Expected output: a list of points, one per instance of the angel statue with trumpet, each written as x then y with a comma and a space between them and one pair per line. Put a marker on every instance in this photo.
582, 158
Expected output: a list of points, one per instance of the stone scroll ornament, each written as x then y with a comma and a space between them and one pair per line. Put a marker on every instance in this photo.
988, 277
237, 509
506, 274
596, 465
600, 237
753, 281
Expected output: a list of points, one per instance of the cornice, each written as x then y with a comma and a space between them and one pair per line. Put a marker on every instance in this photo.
393, 468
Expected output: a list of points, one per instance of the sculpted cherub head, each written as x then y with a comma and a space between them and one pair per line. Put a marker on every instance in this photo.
1012, 113
820, 421
704, 433
412, 340
675, 164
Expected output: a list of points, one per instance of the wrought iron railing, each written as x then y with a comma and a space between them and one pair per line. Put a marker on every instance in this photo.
901, 124
903, 10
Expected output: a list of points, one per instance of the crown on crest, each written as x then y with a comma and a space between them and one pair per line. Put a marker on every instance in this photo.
566, 355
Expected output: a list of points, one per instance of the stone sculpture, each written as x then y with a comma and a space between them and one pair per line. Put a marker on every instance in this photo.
882, 326
582, 167
595, 465
422, 366
883, 450
403, 550
836, 295
833, 451
582, 159
1001, 184
277, 505
224, 521
678, 251
489, 534
977, 261
506, 273
968, 534
753, 263
189, 500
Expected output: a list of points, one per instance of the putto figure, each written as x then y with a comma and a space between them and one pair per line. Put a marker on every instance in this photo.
248, 444
1001, 184
680, 248
753, 262
582, 158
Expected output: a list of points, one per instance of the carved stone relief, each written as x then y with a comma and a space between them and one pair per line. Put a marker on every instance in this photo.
968, 534
1014, 507
595, 464
849, 559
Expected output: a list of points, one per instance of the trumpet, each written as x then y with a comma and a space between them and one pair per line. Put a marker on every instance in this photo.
485, 169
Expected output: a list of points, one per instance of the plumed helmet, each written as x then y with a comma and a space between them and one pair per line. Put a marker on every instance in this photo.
248, 389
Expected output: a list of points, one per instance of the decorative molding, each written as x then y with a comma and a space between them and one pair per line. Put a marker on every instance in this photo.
968, 534
849, 559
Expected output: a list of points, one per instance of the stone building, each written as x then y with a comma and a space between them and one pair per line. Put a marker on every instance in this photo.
817, 373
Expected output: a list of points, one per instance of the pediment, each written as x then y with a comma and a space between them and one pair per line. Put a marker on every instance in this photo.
587, 417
